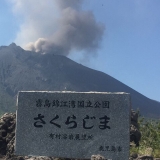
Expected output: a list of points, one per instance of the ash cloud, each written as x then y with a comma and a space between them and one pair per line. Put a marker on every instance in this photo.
59, 27
69, 3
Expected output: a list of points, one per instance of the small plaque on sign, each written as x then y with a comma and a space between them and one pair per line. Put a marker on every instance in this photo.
73, 124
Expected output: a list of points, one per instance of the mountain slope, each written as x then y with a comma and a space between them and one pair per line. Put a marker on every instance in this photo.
25, 70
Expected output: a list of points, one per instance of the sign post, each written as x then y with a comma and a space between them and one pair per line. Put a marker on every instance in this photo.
73, 124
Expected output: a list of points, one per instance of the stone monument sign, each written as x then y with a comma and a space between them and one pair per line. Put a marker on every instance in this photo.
73, 124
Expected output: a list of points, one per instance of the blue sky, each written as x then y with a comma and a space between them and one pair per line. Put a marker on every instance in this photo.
130, 48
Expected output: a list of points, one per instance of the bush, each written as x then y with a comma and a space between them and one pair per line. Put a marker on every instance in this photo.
150, 139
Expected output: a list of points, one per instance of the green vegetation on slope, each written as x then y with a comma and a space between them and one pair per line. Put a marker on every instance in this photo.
7, 103
150, 140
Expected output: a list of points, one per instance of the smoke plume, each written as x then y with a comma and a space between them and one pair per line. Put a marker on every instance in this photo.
57, 26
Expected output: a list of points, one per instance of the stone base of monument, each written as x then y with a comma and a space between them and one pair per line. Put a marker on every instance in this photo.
97, 157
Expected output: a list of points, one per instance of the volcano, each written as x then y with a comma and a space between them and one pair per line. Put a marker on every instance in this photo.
22, 70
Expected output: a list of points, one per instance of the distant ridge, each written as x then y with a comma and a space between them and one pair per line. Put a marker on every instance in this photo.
25, 70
